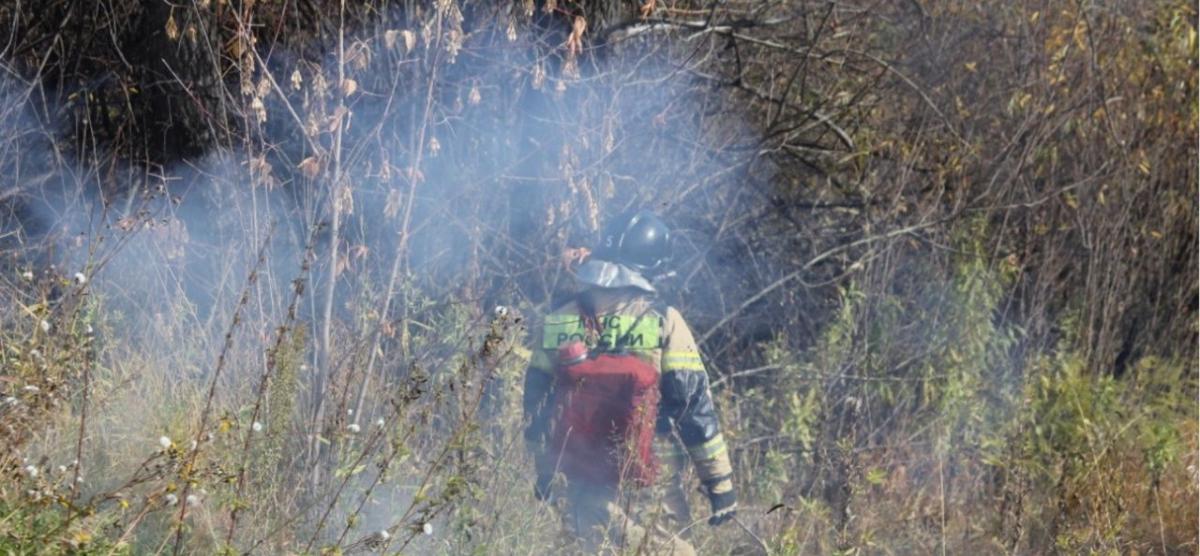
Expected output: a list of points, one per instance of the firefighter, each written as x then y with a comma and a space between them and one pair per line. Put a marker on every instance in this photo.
617, 292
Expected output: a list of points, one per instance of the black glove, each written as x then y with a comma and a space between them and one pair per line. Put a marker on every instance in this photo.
541, 487
724, 507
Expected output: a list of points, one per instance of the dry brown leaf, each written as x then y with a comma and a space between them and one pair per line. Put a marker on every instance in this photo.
575, 255
310, 167
342, 263
334, 121
172, 27
647, 8
575, 41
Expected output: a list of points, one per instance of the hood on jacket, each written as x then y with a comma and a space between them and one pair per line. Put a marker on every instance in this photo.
605, 274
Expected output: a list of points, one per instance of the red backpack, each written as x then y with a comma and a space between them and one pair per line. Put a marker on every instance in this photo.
606, 404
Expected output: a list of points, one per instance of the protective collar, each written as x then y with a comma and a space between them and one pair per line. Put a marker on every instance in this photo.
606, 274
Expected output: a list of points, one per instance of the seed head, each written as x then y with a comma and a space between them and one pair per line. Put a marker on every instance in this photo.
164, 441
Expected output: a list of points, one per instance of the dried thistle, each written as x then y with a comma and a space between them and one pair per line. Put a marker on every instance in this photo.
260, 111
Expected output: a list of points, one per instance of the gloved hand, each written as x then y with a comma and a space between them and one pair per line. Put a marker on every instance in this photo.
724, 506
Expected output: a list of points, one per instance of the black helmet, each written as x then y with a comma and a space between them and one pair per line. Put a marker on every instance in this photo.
639, 240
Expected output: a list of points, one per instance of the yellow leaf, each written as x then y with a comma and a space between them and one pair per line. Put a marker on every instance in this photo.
971, 66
